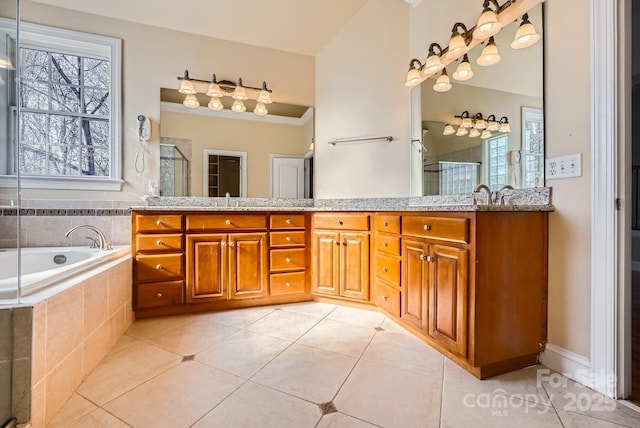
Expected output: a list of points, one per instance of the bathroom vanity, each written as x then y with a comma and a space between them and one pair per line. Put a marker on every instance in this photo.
470, 280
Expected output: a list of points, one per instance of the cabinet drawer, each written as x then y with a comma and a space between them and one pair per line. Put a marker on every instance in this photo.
388, 244
388, 223
158, 223
341, 221
388, 298
287, 239
159, 294
287, 283
446, 229
388, 268
159, 242
158, 267
286, 221
282, 260
226, 222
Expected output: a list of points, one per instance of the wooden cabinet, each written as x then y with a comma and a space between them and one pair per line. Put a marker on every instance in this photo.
288, 256
415, 283
388, 263
341, 257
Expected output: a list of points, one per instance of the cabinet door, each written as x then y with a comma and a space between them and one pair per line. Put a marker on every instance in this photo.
326, 269
206, 268
448, 299
415, 277
354, 269
248, 271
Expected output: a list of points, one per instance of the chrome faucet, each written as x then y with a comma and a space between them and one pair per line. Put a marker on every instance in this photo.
502, 195
484, 187
227, 197
104, 243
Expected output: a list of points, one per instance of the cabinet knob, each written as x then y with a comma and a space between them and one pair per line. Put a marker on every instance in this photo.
385, 244
337, 242
423, 257
339, 222
344, 242
158, 266
385, 269
287, 259
223, 243
288, 221
426, 227
288, 239
227, 222
232, 244
159, 222
159, 295
159, 242
385, 298
385, 224
431, 259
287, 284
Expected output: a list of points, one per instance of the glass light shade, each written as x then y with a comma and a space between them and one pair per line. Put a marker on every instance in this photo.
466, 123
461, 132
264, 98
525, 36
260, 109
480, 124
186, 87
487, 25
505, 127
432, 66
240, 94
413, 77
473, 133
485, 134
214, 90
489, 55
463, 72
238, 106
448, 130
493, 126
457, 47
190, 101
215, 104
443, 84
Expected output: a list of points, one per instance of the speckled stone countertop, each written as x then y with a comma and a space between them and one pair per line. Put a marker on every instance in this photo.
537, 199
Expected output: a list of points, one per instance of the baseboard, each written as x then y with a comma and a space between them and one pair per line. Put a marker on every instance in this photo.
570, 364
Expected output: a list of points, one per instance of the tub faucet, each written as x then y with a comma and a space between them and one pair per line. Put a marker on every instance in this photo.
104, 243
484, 187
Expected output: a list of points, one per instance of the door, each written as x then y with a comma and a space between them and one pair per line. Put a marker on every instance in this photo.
326, 253
206, 268
415, 277
223, 172
354, 259
448, 298
287, 177
247, 265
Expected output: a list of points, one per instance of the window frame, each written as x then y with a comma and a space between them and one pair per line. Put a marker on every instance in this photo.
42, 37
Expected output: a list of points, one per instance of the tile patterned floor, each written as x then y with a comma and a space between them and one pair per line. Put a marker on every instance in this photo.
281, 366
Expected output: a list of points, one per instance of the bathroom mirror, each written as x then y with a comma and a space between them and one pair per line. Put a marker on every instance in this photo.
512, 88
207, 153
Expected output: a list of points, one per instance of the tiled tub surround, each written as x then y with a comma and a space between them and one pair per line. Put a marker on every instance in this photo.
43, 222
63, 333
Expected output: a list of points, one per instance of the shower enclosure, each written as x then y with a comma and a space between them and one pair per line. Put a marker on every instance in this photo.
174, 171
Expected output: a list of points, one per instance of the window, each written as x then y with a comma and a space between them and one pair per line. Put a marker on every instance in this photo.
496, 160
532, 147
69, 110
458, 177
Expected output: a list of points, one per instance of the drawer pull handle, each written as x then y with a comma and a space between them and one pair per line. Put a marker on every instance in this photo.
159, 242
385, 269
288, 239
287, 259
339, 222
287, 284
159, 222
228, 222
232, 244
427, 227
288, 221
385, 244
385, 224
385, 298
159, 266
159, 295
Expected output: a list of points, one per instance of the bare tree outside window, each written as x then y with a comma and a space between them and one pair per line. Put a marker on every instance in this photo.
65, 114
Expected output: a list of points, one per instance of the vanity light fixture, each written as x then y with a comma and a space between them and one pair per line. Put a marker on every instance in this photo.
504, 125
492, 123
443, 84
448, 130
490, 55
464, 71
486, 134
218, 89
477, 126
473, 133
480, 123
458, 43
433, 63
413, 75
526, 35
488, 24
466, 120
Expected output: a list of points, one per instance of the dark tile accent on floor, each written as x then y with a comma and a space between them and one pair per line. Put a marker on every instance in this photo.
327, 407
379, 329
188, 358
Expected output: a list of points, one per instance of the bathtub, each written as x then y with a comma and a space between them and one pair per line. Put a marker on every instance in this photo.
42, 267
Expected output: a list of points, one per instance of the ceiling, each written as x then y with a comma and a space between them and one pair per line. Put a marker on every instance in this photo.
298, 26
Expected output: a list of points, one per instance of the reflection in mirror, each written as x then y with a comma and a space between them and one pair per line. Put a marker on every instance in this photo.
287, 131
174, 167
455, 160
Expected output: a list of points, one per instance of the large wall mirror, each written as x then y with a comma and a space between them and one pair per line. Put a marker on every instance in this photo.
511, 89
212, 153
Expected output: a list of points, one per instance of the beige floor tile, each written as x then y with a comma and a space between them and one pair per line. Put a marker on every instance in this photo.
239, 318
75, 408
340, 337
97, 419
257, 406
192, 338
244, 353
122, 343
390, 397
309, 373
339, 420
357, 316
148, 328
393, 327
404, 352
124, 370
177, 398
576, 420
312, 309
283, 325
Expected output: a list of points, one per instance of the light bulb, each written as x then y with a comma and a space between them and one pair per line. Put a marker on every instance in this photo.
485, 134
238, 106
186, 87
215, 104
190, 101
443, 84
448, 130
526, 35
214, 90
489, 55
464, 71
473, 133
461, 132
260, 109
487, 25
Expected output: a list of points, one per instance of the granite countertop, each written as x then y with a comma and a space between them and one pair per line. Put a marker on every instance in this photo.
538, 199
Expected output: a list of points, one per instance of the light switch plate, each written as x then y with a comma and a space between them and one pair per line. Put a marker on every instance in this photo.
563, 167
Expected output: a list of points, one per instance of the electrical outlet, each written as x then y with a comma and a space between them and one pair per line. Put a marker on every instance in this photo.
563, 167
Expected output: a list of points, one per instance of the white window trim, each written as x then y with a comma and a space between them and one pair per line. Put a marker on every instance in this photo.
59, 39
